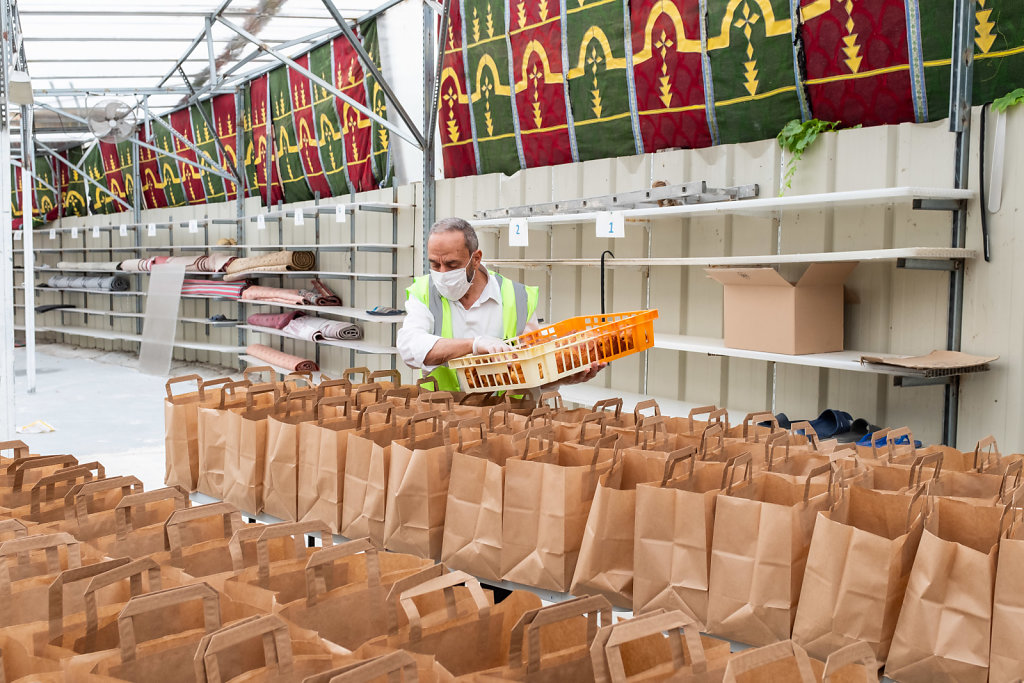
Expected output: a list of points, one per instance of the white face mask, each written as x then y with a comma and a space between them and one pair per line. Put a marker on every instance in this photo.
452, 284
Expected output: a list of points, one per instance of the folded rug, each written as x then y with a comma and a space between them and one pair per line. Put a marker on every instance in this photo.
291, 260
188, 261
278, 321
212, 263
213, 289
137, 265
248, 272
273, 294
320, 295
317, 329
280, 358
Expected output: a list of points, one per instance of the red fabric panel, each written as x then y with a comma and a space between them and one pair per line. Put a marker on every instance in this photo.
453, 116
355, 126
191, 181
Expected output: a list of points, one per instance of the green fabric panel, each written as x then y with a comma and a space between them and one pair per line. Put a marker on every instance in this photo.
750, 48
598, 79
383, 169
169, 174
998, 48
289, 162
75, 198
936, 46
488, 85
328, 125
99, 202
204, 138
124, 155
250, 149
16, 210
46, 199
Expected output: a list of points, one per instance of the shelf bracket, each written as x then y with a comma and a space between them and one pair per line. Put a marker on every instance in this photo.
939, 204
950, 265
904, 381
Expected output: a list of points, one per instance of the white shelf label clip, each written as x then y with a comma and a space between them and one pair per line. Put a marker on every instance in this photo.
610, 224
95, 231
53, 233
74, 233
17, 235
519, 232
151, 230
123, 230
340, 216
300, 218
193, 225
261, 222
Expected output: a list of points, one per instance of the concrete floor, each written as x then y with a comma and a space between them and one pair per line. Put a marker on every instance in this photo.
101, 407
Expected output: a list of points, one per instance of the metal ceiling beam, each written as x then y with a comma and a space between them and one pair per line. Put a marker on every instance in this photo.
372, 68
322, 83
84, 175
68, 92
162, 13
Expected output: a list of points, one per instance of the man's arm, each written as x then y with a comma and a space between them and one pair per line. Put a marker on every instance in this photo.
444, 350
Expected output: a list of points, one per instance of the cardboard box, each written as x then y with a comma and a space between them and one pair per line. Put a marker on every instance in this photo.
766, 312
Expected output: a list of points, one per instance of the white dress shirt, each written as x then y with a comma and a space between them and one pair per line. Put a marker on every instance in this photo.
484, 318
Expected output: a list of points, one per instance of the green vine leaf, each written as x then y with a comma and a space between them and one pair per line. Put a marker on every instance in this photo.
1008, 100
795, 137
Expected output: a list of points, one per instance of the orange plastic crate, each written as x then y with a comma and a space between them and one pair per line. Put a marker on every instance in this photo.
556, 351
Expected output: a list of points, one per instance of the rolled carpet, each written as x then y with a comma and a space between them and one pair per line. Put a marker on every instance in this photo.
317, 329
280, 358
212, 263
277, 261
89, 266
320, 295
137, 265
278, 321
114, 283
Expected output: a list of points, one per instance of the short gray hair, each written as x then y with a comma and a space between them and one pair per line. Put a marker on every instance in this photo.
452, 224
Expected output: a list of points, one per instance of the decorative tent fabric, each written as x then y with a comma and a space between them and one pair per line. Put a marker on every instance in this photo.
281, 359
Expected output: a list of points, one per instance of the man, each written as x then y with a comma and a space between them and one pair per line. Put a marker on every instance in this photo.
462, 308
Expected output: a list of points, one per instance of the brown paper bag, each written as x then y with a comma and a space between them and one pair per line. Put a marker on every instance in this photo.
22, 474
673, 529
397, 665
1007, 656
461, 627
854, 663
19, 450
181, 429
214, 428
776, 663
637, 650
472, 540
761, 537
89, 507
323, 448
977, 487
263, 648
417, 491
280, 471
944, 627
366, 473
28, 566
605, 563
246, 448
901, 479
197, 539
46, 500
139, 521
692, 428
842, 603
546, 509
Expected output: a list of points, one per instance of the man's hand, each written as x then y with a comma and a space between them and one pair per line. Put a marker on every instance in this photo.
585, 375
485, 344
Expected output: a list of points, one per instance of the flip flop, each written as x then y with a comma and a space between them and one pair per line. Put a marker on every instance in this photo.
826, 425
880, 443
385, 310
858, 430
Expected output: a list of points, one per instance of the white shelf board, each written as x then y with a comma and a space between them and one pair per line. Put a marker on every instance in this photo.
323, 273
96, 311
355, 345
125, 336
312, 247
926, 253
761, 206
53, 250
340, 311
253, 360
590, 393
838, 360
40, 288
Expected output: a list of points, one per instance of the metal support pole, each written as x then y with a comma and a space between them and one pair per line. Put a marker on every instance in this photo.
240, 203
961, 78
429, 106
28, 255
211, 53
375, 72
7, 418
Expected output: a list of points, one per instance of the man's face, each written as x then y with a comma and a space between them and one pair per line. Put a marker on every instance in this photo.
447, 251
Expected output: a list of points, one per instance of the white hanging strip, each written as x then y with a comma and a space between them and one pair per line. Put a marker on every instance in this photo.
995, 174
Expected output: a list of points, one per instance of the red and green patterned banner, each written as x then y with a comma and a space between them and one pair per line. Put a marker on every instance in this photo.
17, 215
327, 126
191, 178
225, 121
153, 195
304, 123
73, 194
47, 202
170, 174
213, 184
541, 115
453, 103
286, 148
357, 128
99, 201
597, 73
263, 142
383, 169
113, 165
668, 74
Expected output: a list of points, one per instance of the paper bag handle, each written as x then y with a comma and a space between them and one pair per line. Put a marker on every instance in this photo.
321, 389
674, 458
50, 544
542, 413
601, 418
385, 408
362, 371
15, 526
228, 393
817, 472
777, 440
1011, 510
749, 660
257, 389
375, 389
20, 466
296, 529
152, 602
123, 510
45, 489
133, 571
397, 662
398, 587
316, 582
180, 380
702, 410
270, 629
729, 474
296, 376
894, 435
469, 424
444, 397
922, 461
542, 435
641, 406
644, 626
286, 402
446, 583
714, 430
810, 432
434, 416
604, 404
172, 531
505, 411
76, 501
19, 449
749, 424
593, 607
551, 400
648, 426
55, 594
855, 653
248, 373
394, 375
989, 442
404, 393
1014, 470
345, 401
